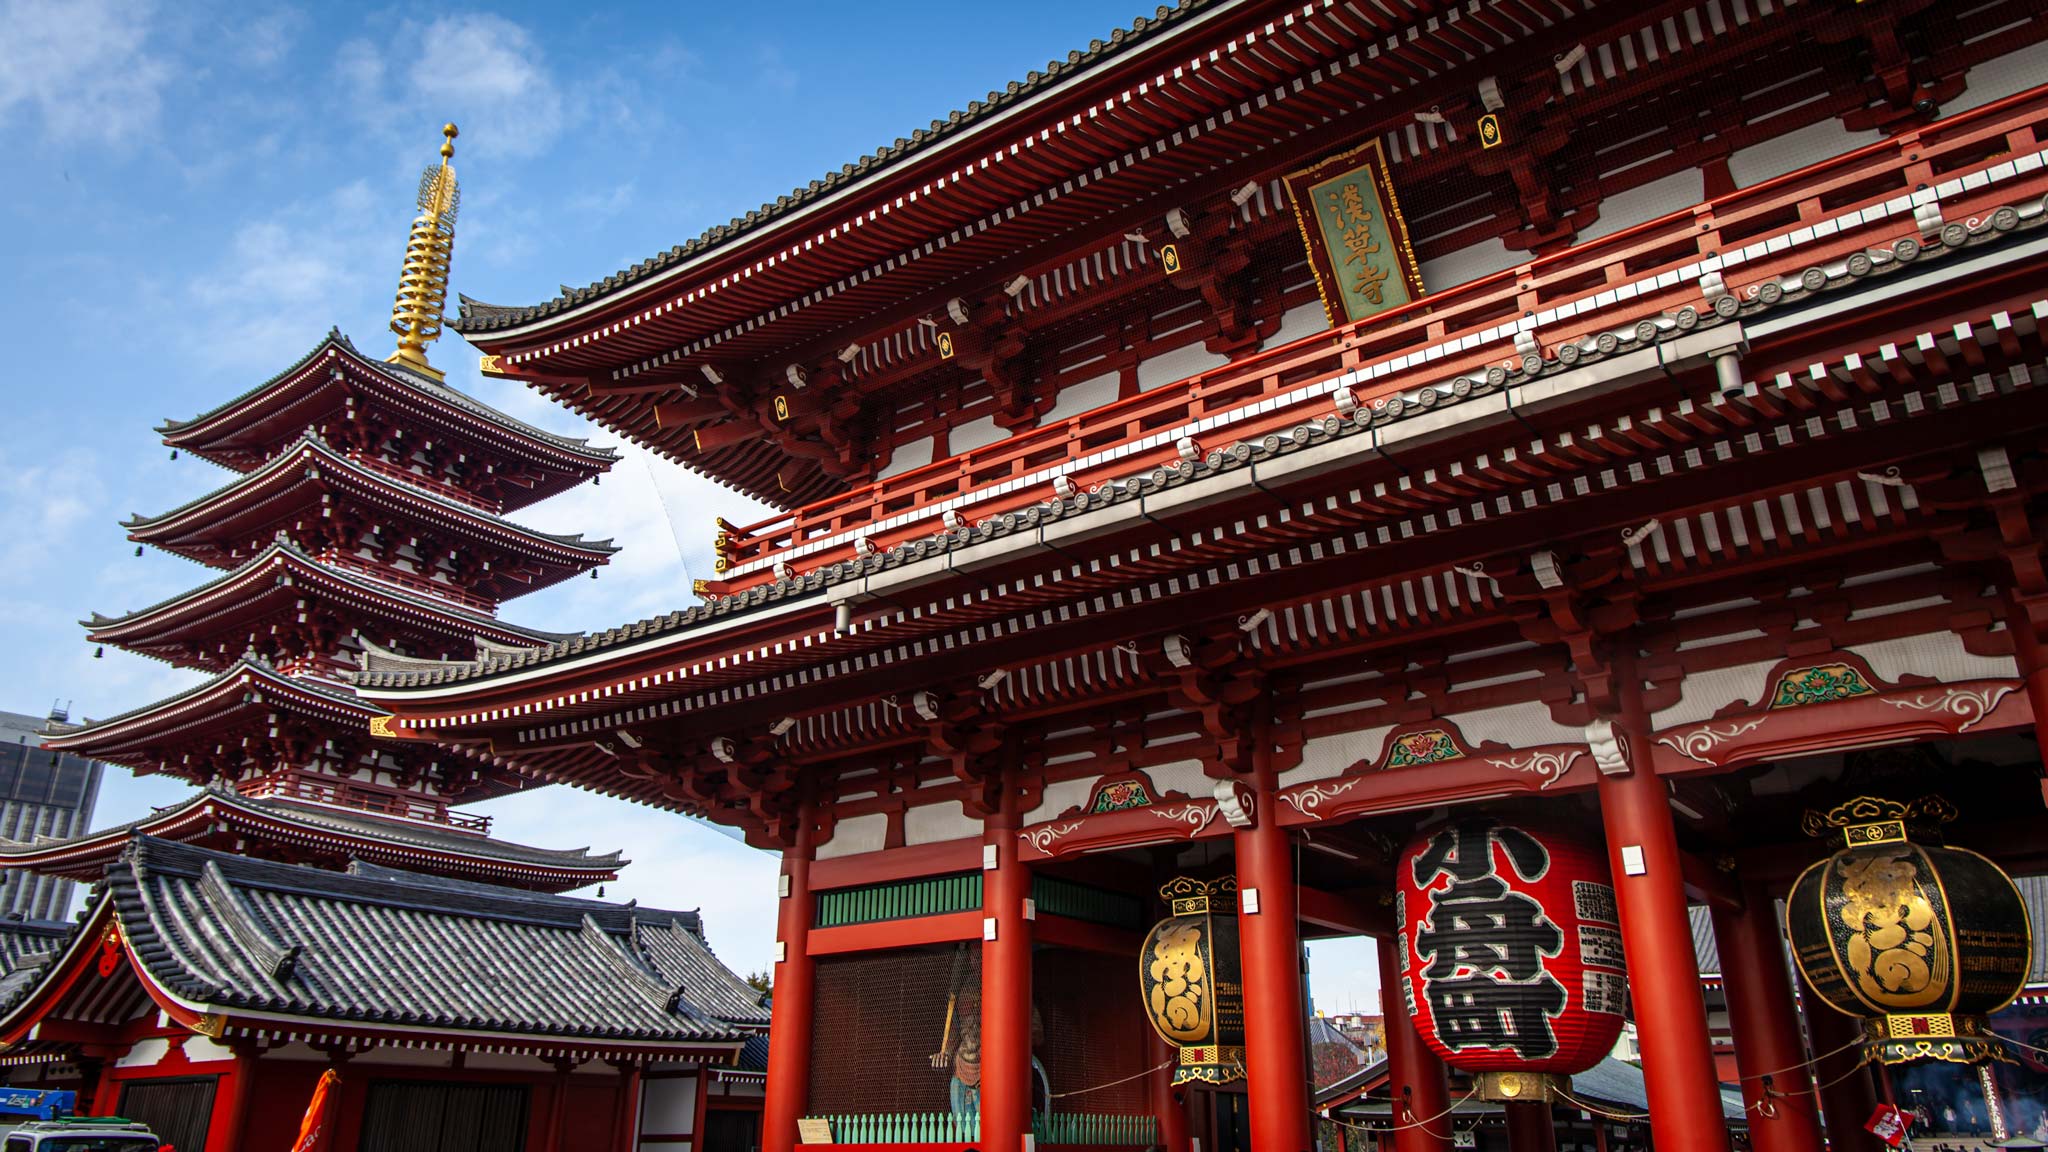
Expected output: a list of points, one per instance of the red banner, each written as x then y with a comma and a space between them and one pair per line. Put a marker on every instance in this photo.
1888, 1124
314, 1126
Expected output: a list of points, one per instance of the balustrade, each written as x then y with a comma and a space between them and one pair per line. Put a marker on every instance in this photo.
1773, 231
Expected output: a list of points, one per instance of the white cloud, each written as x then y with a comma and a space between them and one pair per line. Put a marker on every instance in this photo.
481, 71
81, 67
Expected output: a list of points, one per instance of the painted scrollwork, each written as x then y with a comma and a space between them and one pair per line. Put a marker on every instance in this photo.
1696, 743
1549, 767
1195, 816
1046, 835
1971, 704
1308, 800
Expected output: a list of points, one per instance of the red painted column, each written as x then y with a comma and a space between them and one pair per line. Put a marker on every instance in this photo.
1168, 1104
1783, 1115
789, 1023
1416, 1078
1006, 1077
2033, 662
1656, 933
1848, 1092
241, 1094
1530, 1127
1269, 945
626, 1130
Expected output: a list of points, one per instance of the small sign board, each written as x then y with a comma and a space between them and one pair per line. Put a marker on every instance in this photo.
814, 1130
1888, 1124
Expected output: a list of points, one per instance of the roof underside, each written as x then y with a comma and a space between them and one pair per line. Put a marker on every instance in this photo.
285, 829
1082, 155
245, 431
294, 486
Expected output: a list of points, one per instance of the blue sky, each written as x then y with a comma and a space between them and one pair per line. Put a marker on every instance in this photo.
198, 191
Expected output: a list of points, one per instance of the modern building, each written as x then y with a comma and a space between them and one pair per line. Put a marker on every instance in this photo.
44, 795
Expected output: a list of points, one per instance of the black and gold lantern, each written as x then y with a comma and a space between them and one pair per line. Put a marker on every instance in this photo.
1193, 986
1922, 941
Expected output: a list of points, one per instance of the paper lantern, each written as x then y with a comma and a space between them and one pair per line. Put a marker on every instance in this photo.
1924, 942
1511, 952
1189, 975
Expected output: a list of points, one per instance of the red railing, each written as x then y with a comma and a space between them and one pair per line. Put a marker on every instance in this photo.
295, 785
1820, 214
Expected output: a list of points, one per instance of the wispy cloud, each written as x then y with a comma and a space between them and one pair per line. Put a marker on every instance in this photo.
82, 68
485, 72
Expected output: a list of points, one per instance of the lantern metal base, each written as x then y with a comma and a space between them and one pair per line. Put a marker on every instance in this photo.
1510, 1087
1210, 1064
1903, 1038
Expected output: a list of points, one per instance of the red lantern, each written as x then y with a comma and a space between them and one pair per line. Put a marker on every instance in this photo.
1511, 951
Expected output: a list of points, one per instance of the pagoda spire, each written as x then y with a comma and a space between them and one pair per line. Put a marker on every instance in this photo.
423, 284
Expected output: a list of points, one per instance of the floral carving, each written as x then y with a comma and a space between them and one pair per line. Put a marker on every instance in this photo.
1425, 747
1549, 767
1120, 796
1308, 799
1972, 704
1695, 743
1820, 684
1196, 816
1045, 835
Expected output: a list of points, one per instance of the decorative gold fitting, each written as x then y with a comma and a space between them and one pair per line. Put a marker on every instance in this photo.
1875, 820
416, 314
1509, 1087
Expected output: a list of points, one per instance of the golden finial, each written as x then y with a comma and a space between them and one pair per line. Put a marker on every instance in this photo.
423, 285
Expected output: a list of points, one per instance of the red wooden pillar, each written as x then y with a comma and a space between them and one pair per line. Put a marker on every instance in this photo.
1848, 1093
558, 1106
1782, 1112
2033, 662
1006, 1077
1530, 1127
241, 1094
1416, 1078
1269, 944
1656, 933
790, 1004
626, 1129
1168, 1105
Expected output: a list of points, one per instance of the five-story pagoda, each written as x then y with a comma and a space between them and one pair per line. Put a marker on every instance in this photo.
364, 523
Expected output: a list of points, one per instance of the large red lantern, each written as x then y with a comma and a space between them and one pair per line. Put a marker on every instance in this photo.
1511, 952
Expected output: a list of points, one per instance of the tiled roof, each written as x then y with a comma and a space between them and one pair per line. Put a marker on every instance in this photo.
236, 933
283, 544
344, 823
677, 950
27, 943
405, 377
313, 443
480, 317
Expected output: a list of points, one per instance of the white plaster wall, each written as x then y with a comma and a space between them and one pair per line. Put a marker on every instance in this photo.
1084, 396
1516, 725
1708, 692
1794, 150
1176, 365
1327, 756
975, 434
856, 835
1937, 654
1182, 776
1057, 798
145, 1054
202, 1049
1296, 323
934, 823
2001, 76
1468, 263
915, 454
1633, 206
668, 1107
